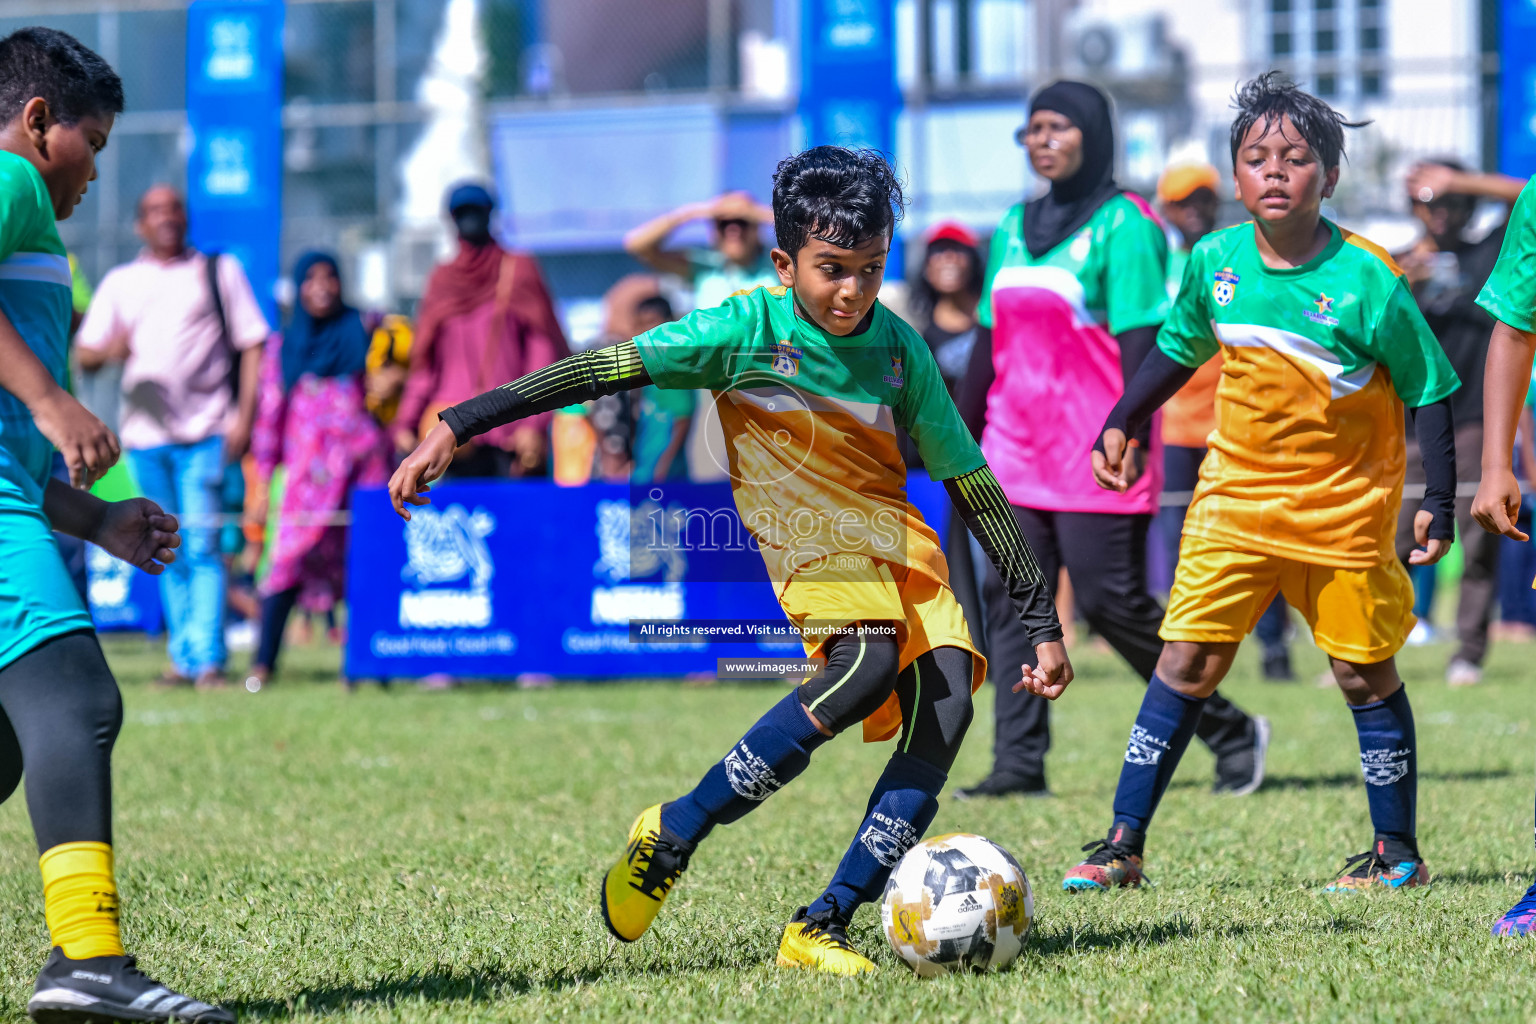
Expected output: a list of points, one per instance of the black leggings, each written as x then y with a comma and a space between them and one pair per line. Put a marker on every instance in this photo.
274, 619
60, 712
1106, 556
934, 691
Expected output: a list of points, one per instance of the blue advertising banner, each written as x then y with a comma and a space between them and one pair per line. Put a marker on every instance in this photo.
1517, 88
234, 111
122, 598
499, 579
848, 90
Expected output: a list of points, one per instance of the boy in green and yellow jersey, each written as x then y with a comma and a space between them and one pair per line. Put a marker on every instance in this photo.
811, 379
1510, 298
1322, 347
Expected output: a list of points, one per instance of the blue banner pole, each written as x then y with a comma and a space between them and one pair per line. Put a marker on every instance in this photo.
234, 111
848, 90
1517, 88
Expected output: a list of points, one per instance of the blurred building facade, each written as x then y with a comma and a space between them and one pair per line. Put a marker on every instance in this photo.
600, 113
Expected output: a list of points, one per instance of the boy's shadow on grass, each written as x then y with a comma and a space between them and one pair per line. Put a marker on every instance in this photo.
482, 985
1341, 780
435, 987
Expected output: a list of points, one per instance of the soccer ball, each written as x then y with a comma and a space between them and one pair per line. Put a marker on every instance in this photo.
957, 902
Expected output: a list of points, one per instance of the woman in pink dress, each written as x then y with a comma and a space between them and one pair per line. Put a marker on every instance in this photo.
312, 419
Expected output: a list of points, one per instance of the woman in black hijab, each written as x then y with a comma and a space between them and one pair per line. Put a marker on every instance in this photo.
1073, 296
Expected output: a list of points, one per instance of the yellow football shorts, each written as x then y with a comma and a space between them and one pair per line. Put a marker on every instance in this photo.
1357, 615
852, 588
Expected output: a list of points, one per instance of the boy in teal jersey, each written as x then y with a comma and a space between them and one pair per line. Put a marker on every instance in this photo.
1322, 346
1510, 298
59, 705
811, 380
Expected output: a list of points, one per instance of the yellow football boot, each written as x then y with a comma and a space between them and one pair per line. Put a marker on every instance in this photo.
638, 884
820, 941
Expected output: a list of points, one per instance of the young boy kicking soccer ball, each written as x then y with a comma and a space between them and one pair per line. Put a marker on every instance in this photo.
1323, 345
1510, 298
59, 705
811, 379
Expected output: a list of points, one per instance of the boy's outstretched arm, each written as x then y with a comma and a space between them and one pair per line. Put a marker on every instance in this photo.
136, 530
1434, 524
1159, 377
1505, 380
577, 378
980, 500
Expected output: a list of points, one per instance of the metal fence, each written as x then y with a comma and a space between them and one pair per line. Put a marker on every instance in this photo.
354, 69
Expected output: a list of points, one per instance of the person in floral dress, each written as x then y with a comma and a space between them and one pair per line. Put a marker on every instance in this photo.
312, 418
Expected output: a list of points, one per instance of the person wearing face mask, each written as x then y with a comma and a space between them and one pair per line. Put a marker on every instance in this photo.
1071, 301
1446, 270
486, 315
312, 418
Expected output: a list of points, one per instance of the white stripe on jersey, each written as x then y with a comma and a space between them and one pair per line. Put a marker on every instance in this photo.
41, 267
1058, 280
1298, 347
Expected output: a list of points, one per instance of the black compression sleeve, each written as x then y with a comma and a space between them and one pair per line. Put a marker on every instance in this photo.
1135, 345
1437, 447
578, 378
979, 499
1155, 382
979, 375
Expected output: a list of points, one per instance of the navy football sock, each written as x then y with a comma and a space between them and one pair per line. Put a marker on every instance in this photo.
1390, 764
900, 810
1162, 731
774, 751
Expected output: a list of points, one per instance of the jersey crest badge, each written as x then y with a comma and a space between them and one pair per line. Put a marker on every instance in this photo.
786, 359
894, 378
1225, 288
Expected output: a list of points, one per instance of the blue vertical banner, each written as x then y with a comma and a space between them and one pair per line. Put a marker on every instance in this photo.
234, 111
1517, 88
848, 90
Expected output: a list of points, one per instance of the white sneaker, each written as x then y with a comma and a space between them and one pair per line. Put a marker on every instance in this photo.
1421, 634
1463, 673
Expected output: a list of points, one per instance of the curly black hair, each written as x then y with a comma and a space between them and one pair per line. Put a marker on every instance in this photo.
839, 195
70, 76
1273, 95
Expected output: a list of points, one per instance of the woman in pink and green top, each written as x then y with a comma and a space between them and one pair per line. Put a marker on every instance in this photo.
1073, 295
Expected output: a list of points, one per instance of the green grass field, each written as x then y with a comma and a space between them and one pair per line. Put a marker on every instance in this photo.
416, 856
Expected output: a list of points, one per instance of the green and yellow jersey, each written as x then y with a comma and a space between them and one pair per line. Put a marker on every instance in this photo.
1510, 293
1307, 458
36, 294
810, 427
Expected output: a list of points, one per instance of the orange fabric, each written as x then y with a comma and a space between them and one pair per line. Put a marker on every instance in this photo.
1190, 415
1362, 616
1179, 181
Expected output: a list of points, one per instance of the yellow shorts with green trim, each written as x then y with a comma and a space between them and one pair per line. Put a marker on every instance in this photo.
1357, 615
856, 588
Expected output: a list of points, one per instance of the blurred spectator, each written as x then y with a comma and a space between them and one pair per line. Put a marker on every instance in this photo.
736, 259
1084, 245
314, 421
175, 318
1446, 271
941, 303
486, 318
1187, 199
611, 418
663, 416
